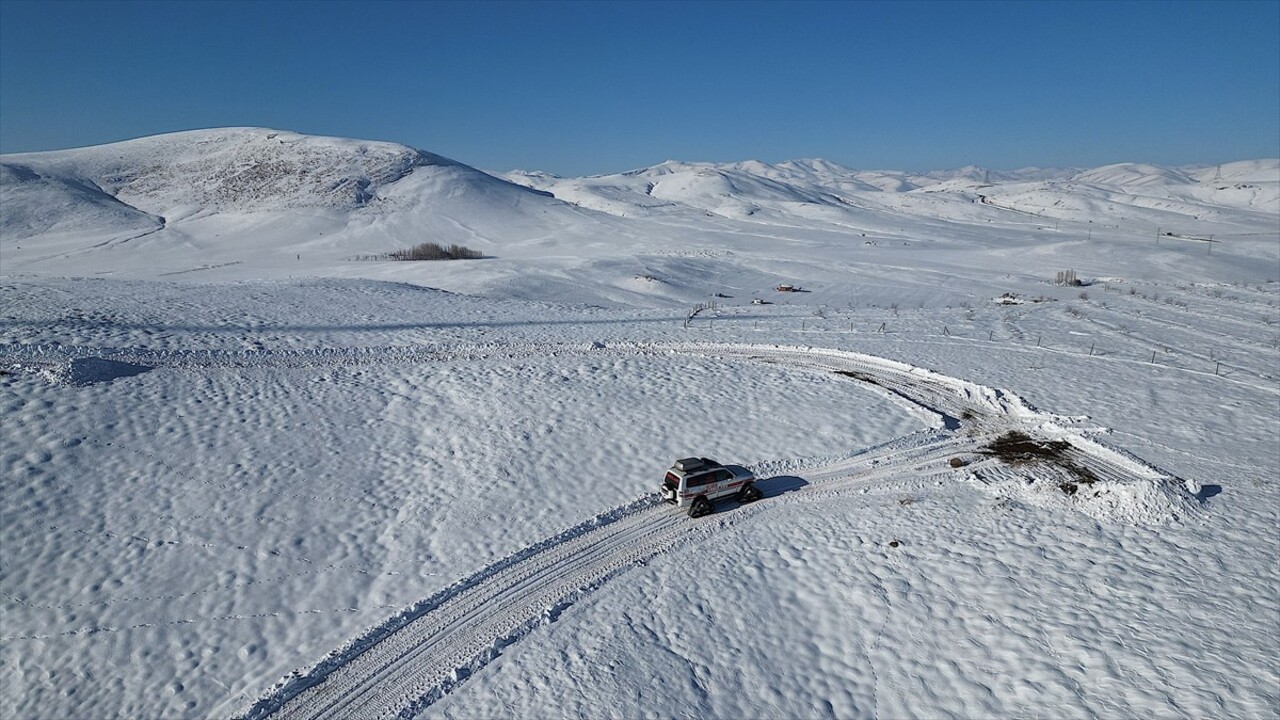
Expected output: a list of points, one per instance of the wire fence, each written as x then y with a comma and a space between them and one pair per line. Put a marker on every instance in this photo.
1129, 348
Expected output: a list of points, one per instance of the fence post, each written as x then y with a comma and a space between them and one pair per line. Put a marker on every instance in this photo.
1153, 357
1091, 349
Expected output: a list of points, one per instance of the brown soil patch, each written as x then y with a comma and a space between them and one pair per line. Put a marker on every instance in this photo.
1018, 448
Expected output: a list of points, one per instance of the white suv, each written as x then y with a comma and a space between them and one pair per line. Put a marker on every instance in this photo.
697, 482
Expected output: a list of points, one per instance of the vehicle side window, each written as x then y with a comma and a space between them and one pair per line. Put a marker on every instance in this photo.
722, 475
698, 480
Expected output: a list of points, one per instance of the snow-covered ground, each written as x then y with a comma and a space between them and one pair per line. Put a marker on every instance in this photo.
247, 473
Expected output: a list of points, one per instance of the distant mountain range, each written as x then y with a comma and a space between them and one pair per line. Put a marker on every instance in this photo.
744, 188
142, 184
265, 199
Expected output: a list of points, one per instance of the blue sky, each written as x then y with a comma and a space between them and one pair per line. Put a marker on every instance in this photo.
595, 87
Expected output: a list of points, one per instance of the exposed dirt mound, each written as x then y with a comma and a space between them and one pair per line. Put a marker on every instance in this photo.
1057, 474
1018, 448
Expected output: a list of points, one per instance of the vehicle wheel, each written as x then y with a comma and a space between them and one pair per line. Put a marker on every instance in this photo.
700, 506
749, 493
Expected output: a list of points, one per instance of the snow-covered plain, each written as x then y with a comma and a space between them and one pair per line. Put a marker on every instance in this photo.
243, 468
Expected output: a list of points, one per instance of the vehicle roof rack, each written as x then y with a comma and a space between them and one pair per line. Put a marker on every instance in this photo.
693, 464
687, 464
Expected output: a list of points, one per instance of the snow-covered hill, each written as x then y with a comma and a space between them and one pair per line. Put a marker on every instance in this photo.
239, 170
204, 200
229, 190
1133, 175
34, 202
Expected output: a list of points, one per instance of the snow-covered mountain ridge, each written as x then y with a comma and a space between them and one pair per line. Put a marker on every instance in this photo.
259, 169
265, 201
741, 187
232, 170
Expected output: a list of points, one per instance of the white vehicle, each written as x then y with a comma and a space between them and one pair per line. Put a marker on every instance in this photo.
698, 482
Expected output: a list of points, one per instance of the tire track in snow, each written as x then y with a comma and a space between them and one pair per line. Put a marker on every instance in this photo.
402, 666
420, 662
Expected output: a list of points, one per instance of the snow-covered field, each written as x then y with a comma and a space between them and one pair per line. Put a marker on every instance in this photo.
246, 473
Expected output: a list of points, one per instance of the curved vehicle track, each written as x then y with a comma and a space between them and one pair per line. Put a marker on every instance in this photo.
403, 665
402, 672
